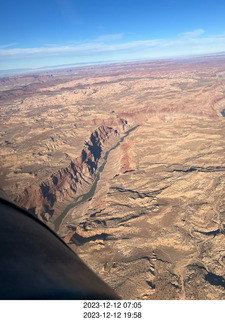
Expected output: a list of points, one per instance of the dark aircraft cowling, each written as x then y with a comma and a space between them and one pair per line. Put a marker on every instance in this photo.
35, 264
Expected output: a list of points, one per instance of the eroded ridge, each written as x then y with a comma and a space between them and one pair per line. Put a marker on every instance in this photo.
66, 183
157, 231
154, 226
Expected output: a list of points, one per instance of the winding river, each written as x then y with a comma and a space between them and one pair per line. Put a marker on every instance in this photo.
88, 195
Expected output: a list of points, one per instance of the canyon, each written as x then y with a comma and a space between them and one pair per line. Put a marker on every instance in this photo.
126, 163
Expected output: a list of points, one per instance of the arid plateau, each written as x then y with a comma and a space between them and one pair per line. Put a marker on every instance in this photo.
126, 163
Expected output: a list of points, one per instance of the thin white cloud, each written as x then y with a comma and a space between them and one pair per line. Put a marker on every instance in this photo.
110, 37
69, 11
106, 48
8, 45
86, 48
192, 34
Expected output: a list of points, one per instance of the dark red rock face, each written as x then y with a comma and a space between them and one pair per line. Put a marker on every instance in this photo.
66, 183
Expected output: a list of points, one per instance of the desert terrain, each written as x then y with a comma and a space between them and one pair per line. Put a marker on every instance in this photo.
126, 163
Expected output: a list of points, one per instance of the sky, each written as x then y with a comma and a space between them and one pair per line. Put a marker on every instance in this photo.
40, 33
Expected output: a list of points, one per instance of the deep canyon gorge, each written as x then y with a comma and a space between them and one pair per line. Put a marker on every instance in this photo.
126, 163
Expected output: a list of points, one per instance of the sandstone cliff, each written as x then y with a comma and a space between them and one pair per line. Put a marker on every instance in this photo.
67, 182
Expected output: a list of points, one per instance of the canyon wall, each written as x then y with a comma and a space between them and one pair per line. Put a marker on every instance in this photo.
68, 182
153, 227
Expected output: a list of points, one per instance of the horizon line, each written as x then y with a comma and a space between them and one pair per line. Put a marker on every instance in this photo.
17, 71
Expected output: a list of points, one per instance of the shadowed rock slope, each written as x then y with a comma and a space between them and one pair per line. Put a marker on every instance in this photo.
48, 198
155, 227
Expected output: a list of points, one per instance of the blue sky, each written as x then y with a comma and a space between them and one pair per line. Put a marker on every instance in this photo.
39, 33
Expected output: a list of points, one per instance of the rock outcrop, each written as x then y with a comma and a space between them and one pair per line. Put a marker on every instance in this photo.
68, 182
157, 231
150, 221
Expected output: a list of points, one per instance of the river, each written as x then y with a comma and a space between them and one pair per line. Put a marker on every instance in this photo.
88, 195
